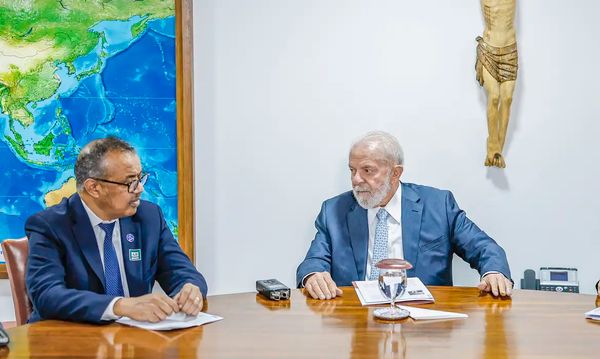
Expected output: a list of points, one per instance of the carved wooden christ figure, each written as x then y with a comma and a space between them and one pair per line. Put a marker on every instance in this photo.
496, 68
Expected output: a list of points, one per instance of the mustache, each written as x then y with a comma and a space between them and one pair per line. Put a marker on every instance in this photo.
361, 188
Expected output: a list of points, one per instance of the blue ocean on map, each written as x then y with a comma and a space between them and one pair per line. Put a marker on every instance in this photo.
132, 97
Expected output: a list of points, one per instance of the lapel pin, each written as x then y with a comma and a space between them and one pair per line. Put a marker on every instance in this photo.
135, 255
129, 237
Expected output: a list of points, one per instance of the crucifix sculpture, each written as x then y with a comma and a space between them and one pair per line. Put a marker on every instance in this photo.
496, 68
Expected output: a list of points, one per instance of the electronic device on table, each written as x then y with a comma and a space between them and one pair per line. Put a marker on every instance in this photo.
273, 289
4, 339
558, 279
551, 279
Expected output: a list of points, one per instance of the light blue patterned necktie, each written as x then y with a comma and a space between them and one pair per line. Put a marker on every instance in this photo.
380, 245
112, 274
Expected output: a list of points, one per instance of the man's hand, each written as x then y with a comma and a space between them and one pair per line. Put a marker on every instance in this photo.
320, 286
148, 308
497, 284
189, 299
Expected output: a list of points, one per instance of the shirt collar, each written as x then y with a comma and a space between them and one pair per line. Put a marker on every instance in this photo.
94, 219
393, 207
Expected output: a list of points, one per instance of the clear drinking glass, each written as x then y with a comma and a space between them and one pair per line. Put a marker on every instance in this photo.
392, 283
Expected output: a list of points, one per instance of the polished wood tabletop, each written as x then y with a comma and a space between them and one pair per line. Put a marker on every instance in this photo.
532, 324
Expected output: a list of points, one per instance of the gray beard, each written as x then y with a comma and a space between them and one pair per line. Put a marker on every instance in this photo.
376, 198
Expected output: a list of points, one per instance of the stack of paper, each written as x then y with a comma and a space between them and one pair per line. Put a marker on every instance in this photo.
173, 321
593, 314
368, 292
429, 314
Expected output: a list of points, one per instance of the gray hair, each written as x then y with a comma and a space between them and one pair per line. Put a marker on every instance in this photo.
383, 143
90, 162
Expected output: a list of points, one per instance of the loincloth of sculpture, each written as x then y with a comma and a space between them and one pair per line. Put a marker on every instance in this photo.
500, 62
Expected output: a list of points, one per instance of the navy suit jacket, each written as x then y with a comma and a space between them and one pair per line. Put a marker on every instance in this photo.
65, 277
433, 229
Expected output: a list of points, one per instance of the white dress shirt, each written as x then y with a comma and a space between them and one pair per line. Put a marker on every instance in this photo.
394, 222
109, 314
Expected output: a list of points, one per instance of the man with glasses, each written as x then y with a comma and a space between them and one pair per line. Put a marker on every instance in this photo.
95, 256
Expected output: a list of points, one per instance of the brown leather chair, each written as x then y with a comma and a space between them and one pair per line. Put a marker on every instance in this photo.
15, 255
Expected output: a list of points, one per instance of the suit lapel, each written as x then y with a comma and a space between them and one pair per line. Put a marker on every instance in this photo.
412, 211
132, 256
84, 235
359, 237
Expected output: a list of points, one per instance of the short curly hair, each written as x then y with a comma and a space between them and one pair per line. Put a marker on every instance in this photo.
90, 162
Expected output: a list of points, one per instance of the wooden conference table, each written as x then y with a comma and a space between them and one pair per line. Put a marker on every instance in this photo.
530, 325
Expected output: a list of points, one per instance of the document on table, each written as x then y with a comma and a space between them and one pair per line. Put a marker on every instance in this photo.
368, 292
430, 314
173, 321
593, 314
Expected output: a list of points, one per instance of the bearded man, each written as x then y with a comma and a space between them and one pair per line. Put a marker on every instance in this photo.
384, 218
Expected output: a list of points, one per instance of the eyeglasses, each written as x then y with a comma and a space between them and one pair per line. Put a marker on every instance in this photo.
131, 186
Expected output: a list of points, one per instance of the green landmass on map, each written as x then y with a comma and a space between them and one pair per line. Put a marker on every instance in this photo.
45, 145
175, 229
42, 34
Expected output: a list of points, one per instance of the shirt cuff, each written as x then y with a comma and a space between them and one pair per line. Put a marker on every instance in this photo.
490, 272
304, 279
496, 272
109, 313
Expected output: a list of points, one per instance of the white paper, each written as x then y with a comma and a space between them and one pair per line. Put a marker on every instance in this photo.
173, 321
392, 280
368, 292
593, 314
430, 314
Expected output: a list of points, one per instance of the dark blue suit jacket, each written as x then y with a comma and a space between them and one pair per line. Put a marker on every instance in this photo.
433, 229
65, 277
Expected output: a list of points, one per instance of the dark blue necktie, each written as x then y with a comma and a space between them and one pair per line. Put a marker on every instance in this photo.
112, 275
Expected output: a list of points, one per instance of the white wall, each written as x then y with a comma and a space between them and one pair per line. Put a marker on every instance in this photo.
283, 87
7, 312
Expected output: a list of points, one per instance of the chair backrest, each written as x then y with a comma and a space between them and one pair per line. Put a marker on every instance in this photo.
15, 255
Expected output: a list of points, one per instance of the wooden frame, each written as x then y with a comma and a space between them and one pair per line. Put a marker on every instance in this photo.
185, 125
185, 128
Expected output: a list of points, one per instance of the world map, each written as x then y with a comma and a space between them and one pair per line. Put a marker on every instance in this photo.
75, 71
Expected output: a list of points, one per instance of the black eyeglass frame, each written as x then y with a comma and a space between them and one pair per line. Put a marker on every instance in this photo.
131, 186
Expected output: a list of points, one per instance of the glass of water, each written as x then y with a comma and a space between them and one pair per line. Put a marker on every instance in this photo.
392, 284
